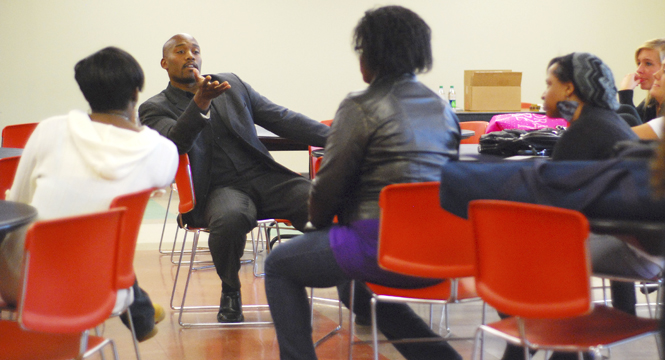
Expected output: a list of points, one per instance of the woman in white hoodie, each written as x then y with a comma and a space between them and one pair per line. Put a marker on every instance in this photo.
77, 163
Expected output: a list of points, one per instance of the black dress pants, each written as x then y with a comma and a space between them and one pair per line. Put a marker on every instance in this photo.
232, 211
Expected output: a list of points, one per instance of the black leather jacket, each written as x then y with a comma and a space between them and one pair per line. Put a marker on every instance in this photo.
395, 131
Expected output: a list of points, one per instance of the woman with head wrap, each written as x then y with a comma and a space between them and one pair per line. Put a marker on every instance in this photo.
580, 89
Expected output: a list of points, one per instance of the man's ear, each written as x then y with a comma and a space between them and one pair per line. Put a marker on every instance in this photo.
163, 64
135, 96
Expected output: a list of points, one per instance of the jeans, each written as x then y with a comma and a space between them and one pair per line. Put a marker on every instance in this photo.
143, 313
308, 261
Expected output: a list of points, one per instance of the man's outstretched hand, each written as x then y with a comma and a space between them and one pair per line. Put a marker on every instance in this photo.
207, 90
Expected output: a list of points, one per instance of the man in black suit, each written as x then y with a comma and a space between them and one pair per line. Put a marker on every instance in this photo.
236, 180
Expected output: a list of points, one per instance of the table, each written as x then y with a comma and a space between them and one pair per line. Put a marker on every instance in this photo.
469, 152
9, 152
13, 215
486, 116
273, 142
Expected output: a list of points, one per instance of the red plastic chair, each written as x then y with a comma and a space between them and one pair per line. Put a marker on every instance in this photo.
315, 161
537, 270
8, 167
418, 238
61, 300
15, 136
135, 204
478, 127
183, 179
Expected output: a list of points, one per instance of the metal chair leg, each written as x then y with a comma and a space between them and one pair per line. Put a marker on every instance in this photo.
333, 331
168, 205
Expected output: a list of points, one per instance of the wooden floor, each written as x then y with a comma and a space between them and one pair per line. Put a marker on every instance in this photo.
156, 274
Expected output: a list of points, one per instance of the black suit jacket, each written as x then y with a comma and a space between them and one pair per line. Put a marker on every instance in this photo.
174, 115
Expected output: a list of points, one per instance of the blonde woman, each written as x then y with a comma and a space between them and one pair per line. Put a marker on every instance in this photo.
653, 129
648, 57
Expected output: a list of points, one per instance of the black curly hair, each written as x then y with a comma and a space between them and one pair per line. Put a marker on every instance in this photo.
394, 40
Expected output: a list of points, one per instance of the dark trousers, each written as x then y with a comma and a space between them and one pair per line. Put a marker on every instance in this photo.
308, 261
232, 211
143, 313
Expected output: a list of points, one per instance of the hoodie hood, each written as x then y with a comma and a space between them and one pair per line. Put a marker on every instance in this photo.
108, 150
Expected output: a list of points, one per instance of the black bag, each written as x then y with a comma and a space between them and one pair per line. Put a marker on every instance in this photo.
512, 142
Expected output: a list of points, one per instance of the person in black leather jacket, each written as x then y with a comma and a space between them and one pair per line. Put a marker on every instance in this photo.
395, 131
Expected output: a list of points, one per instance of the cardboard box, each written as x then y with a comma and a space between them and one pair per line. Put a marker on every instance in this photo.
492, 90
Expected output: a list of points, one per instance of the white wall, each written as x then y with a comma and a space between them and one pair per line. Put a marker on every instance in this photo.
298, 53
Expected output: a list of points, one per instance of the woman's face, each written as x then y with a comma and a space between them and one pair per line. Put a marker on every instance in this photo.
367, 73
658, 89
648, 62
554, 92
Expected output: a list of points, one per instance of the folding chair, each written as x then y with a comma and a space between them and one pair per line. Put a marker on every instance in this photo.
478, 127
69, 286
418, 238
537, 270
15, 136
8, 167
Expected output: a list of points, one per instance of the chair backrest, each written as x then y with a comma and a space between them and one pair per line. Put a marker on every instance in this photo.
531, 259
135, 204
15, 136
315, 162
8, 167
478, 126
69, 272
183, 180
417, 237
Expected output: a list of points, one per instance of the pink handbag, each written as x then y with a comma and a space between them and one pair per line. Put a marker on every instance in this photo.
524, 121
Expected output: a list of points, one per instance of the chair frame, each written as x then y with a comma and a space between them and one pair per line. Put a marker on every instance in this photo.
135, 203
36, 324
187, 203
571, 308
394, 200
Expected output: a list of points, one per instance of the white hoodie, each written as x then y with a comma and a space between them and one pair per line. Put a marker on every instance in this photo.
72, 165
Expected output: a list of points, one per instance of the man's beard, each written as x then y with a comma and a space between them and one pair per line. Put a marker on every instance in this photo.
185, 80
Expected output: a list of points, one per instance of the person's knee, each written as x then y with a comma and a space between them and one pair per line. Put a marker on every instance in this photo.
272, 261
232, 223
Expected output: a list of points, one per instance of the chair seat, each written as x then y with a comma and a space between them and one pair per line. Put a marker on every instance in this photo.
466, 290
602, 326
20, 344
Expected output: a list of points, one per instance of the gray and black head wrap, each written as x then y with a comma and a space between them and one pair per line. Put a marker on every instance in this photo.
594, 81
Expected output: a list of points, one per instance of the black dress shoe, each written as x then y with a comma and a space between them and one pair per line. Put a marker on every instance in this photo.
230, 308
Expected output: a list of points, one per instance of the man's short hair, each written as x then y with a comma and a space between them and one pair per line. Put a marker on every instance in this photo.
394, 40
109, 78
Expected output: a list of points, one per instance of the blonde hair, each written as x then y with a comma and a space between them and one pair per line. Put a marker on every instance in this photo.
653, 44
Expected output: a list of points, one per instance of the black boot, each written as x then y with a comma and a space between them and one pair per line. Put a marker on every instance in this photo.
230, 308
